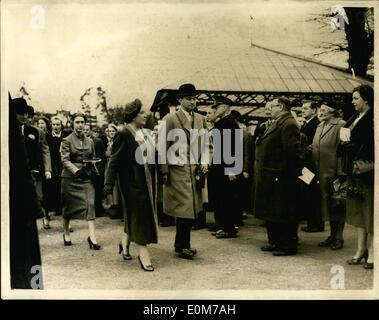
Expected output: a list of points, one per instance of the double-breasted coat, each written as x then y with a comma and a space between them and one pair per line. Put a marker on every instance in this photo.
181, 197
136, 186
276, 169
327, 165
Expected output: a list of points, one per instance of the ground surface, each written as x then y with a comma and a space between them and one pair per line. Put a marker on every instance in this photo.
220, 264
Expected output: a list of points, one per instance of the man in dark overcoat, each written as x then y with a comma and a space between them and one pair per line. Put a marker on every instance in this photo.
24, 256
226, 186
310, 194
37, 149
277, 167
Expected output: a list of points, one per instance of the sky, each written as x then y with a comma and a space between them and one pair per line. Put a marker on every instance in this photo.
134, 49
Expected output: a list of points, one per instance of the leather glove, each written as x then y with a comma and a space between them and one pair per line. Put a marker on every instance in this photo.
82, 174
108, 189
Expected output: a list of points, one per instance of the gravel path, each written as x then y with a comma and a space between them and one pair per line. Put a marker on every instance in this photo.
221, 264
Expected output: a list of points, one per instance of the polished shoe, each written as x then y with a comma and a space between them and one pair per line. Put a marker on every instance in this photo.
337, 244
92, 245
46, 225
269, 247
312, 229
125, 256
356, 261
216, 232
193, 250
225, 235
66, 243
185, 253
369, 265
326, 243
148, 268
284, 253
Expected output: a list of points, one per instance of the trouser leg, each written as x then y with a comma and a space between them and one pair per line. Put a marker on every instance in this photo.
183, 233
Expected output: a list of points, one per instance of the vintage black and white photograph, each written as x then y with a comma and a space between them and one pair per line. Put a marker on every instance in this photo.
188, 149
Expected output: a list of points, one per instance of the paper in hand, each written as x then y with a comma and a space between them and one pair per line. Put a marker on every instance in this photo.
345, 134
306, 175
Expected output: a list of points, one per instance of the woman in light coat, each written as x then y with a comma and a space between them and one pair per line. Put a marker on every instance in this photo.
327, 165
78, 193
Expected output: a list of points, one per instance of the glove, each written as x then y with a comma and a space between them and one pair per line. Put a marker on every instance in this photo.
82, 174
108, 189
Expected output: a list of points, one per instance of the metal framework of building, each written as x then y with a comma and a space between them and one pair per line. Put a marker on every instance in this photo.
257, 75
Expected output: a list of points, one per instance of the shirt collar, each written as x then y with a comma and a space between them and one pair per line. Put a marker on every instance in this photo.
58, 135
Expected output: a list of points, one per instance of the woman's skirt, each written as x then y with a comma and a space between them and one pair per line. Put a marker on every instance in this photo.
360, 209
78, 199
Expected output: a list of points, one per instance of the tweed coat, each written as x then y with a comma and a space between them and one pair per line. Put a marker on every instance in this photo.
181, 197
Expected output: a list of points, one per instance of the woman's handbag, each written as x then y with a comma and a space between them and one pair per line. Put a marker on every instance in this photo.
362, 166
339, 193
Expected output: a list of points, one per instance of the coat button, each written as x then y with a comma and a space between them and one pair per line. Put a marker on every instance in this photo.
276, 179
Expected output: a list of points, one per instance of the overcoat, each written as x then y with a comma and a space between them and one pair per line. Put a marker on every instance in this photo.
181, 197
78, 196
360, 210
136, 186
327, 165
276, 170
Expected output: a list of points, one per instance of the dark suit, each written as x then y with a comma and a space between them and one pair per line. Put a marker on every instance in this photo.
310, 194
226, 193
39, 158
276, 170
53, 187
99, 181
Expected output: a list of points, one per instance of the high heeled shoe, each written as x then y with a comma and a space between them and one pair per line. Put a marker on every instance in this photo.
66, 243
125, 256
92, 245
148, 268
356, 261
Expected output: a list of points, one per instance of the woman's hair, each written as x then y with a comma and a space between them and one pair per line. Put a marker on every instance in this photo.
79, 115
366, 92
59, 119
331, 104
112, 125
56, 118
47, 122
132, 109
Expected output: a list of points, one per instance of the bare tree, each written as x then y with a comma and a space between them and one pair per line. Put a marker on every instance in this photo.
359, 37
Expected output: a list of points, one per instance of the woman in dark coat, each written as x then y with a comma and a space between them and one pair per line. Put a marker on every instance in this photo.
24, 207
359, 155
135, 184
78, 193
328, 169
53, 190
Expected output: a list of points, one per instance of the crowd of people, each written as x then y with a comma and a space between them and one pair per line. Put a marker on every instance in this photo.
83, 172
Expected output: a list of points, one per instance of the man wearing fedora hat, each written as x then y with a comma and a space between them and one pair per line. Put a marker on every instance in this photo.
182, 196
36, 146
